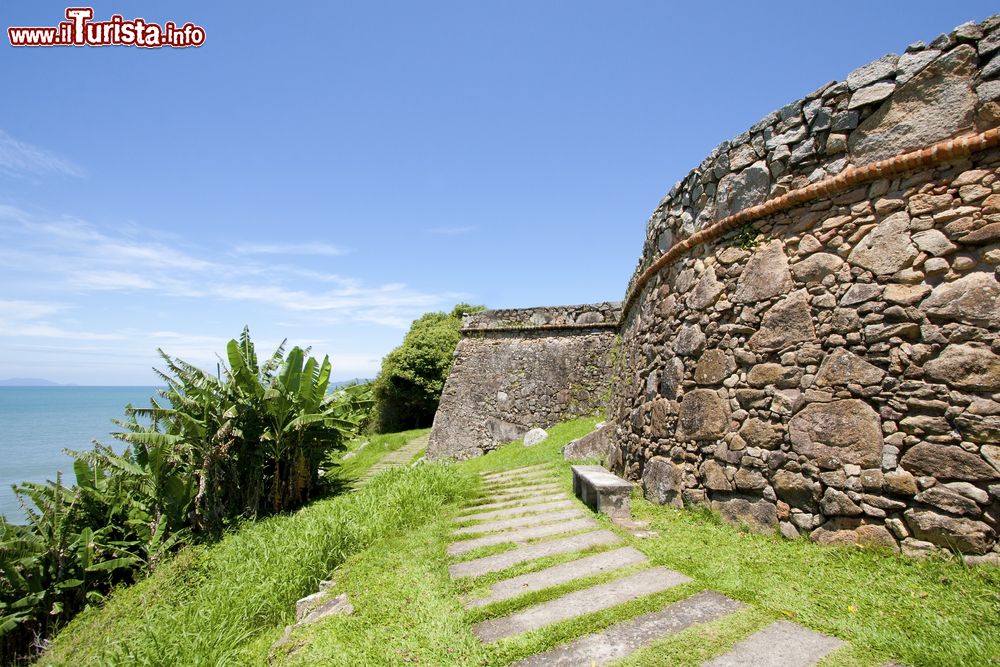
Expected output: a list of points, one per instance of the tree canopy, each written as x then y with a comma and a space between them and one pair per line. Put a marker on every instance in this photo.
409, 385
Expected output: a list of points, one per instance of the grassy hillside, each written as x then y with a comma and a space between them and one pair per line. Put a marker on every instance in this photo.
220, 605
385, 547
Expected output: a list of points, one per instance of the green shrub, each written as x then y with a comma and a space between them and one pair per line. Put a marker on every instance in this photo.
408, 388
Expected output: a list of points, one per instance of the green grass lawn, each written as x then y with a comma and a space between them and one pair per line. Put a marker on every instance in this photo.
385, 547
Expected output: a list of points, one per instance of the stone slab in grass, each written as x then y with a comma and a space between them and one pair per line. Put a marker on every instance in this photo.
606, 561
501, 561
515, 511
514, 502
521, 535
781, 644
623, 639
521, 491
528, 474
525, 480
514, 472
578, 603
519, 522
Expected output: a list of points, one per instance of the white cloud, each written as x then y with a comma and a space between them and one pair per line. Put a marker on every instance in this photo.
312, 248
18, 158
450, 231
74, 256
20, 309
21, 318
45, 330
112, 280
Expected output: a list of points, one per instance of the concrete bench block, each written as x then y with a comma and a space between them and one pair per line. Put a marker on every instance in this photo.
602, 491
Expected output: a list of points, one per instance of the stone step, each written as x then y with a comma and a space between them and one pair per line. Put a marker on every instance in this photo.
587, 566
521, 535
535, 508
522, 491
400, 457
533, 478
519, 491
623, 639
519, 522
578, 603
515, 472
781, 644
501, 561
502, 504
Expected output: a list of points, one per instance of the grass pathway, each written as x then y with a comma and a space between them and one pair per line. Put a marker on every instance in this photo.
600, 573
400, 457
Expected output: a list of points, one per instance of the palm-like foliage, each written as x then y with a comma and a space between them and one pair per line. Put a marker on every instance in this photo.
208, 452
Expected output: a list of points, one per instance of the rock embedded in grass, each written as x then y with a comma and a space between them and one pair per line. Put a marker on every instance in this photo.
535, 436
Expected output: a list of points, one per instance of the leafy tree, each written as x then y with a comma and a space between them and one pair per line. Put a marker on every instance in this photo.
408, 388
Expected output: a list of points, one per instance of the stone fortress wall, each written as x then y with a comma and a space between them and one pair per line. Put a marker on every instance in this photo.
839, 378
811, 339
520, 368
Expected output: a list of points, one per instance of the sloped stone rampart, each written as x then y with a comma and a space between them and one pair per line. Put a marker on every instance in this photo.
834, 369
810, 341
518, 369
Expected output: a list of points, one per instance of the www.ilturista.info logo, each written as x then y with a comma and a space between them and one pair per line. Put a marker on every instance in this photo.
81, 30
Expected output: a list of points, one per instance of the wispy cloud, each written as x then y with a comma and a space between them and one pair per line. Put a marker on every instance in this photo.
76, 256
21, 309
20, 318
18, 158
314, 248
450, 231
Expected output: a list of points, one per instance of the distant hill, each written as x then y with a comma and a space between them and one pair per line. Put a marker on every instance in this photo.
28, 382
336, 384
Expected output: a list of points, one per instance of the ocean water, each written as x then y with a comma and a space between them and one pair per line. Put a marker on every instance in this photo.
37, 423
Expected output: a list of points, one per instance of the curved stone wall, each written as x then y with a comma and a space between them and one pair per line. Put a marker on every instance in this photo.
520, 368
833, 369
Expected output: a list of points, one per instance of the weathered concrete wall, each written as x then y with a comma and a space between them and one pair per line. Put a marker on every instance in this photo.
842, 379
521, 368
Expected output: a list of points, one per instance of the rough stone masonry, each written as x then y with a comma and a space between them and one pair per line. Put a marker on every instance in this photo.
522, 368
831, 369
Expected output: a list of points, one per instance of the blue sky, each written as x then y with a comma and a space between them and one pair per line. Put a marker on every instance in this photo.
328, 174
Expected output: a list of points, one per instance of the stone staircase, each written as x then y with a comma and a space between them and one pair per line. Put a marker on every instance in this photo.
526, 508
400, 457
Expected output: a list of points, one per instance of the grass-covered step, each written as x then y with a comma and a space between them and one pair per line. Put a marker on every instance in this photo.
535, 508
519, 522
511, 484
588, 566
781, 644
578, 603
501, 561
517, 492
625, 638
394, 459
514, 502
516, 472
520, 480
521, 535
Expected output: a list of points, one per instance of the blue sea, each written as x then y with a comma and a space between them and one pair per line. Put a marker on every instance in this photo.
37, 423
